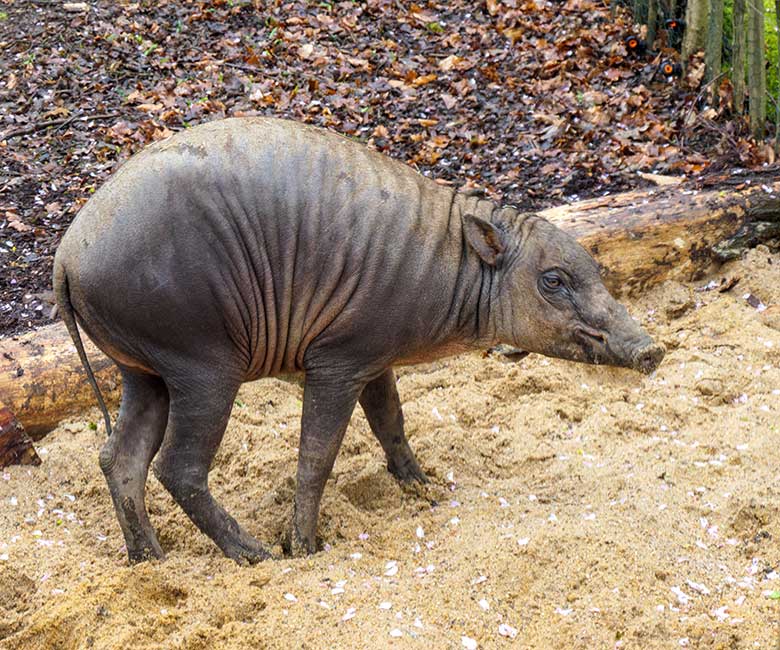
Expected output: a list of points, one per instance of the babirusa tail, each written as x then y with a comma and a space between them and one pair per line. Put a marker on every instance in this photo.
62, 293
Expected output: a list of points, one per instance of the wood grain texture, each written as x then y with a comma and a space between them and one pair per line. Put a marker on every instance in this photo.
42, 381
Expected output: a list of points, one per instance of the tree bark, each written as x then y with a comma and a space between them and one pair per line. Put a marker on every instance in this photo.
652, 22
777, 99
640, 238
640, 11
756, 68
738, 56
714, 48
696, 14
42, 381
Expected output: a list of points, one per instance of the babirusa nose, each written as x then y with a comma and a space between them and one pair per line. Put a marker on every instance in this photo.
648, 358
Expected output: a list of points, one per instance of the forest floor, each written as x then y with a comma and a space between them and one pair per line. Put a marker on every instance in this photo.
536, 102
570, 506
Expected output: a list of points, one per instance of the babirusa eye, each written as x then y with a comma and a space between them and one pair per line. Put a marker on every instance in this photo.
552, 281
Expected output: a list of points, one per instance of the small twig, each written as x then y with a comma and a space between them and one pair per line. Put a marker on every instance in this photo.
695, 102
712, 126
240, 66
64, 121
59, 127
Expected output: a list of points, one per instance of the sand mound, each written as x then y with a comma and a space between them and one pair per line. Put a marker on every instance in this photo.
570, 506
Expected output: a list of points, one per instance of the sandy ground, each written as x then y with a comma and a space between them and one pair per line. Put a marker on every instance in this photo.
570, 507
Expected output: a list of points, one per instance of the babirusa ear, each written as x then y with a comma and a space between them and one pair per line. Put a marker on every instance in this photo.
484, 238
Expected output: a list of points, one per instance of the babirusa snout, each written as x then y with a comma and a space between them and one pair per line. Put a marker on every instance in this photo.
647, 358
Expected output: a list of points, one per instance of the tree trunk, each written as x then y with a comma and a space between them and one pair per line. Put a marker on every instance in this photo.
756, 68
42, 381
652, 21
640, 11
738, 56
640, 238
777, 102
696, 15
714, 48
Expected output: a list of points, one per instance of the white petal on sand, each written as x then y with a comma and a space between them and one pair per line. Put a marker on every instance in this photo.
396, 633
507, 630
484, 604
391, 568
698, 587
385, 604
468, 643
682, 597
290, 598
349, 614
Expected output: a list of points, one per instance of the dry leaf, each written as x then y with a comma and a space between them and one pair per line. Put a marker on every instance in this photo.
306, 50
425, 79
149, 108
449, 100
19, 226
660, 179
449, 63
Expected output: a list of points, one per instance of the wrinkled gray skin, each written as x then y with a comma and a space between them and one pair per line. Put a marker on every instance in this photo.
254, 247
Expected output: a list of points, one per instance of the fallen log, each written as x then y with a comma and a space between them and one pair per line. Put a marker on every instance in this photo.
640, 238
42, 381
644, 237
16, 448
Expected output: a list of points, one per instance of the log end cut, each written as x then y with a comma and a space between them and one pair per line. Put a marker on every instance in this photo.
16, 448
